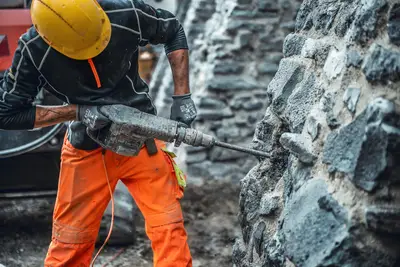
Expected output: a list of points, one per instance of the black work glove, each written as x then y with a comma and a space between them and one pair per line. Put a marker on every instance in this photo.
183, 109
92, 117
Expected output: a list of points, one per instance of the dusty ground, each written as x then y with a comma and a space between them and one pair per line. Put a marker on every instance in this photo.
210, 214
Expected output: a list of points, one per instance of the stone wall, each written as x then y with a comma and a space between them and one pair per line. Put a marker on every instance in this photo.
329, 195
236, 46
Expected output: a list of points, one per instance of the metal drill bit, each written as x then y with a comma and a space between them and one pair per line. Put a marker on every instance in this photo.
243, 149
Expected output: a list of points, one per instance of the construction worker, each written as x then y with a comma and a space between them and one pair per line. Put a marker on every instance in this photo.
86, 53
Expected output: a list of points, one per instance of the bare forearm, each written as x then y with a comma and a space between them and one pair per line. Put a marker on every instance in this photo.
51, 115
179, 62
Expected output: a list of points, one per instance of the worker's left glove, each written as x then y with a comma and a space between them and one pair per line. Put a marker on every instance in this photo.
92, 117
183, 109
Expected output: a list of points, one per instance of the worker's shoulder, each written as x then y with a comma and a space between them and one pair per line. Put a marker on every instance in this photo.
114, 5
32, 38
33, 45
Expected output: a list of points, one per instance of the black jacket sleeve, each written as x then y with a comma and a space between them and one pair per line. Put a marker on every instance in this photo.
158, 26
18, 89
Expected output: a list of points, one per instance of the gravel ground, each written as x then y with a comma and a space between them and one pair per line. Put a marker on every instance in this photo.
210, 218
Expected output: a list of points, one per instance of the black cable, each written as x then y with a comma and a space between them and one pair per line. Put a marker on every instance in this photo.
16, 151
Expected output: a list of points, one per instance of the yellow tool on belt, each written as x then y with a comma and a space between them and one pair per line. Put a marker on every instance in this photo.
180, 175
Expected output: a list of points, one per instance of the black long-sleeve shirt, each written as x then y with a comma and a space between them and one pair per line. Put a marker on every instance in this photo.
36, 65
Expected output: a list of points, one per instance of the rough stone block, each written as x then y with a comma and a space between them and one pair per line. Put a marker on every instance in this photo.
383, 219
382, 65
258, 238
269, 204
267, 68
196, 157
316, 49
350, 97
327, 106
210, 102
253, 105
299, 146
367, 20
290, 73
313, 127
360, 148
293, 44
394, 24
212, 114
335, 63
300, 102
313, 235
222, 84
354, 59
304, 15
228, 68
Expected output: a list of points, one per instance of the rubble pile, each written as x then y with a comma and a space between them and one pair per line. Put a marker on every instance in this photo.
330, 193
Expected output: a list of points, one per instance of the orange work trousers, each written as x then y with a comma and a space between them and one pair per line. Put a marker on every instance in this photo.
83, 196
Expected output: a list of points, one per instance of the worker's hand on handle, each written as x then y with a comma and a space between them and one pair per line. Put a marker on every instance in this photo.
92, 117
183, 109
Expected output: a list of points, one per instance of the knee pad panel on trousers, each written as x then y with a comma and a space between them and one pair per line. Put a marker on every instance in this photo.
171, 215
74, 235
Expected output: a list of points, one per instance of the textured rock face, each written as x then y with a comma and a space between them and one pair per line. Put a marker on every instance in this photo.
236, 46
329, 195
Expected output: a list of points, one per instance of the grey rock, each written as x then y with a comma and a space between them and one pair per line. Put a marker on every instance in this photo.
360, 148
368, 18
267, 68
290, 73
354, 59
323, 19
304, 15
239, 99
299, 146
328, 103
218, 154
239, 253
268, 5
196, 157
227, 133
269, 204
245, 39
223, 84
313, 127
314, 235
342, 147
300, 102
316, 49
209, 102
228, 68
258, 238
347, 14
382, 65
212, 114
383, 219
293, 44
252, 105
350, 97
394, 24
194, 149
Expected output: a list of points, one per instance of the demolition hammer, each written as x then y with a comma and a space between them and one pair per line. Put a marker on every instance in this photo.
130, 128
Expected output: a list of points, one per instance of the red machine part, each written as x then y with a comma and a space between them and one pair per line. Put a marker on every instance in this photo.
13, 23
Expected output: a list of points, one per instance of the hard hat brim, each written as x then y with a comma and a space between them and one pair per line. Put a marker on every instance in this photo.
96, 48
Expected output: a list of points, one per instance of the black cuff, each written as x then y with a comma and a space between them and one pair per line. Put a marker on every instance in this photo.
22, 120
179, 42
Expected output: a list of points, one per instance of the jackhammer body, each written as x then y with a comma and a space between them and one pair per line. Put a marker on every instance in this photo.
130, 128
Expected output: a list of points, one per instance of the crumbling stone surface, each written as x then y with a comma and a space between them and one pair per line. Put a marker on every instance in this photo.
235, 49
329, 194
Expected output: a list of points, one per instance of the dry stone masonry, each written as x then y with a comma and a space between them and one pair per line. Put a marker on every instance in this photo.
236, 46
329, 195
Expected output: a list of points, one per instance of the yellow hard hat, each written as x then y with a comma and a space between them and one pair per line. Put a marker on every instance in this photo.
79, 29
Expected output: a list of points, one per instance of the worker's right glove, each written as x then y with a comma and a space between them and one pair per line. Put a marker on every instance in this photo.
183, 109
92, 117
